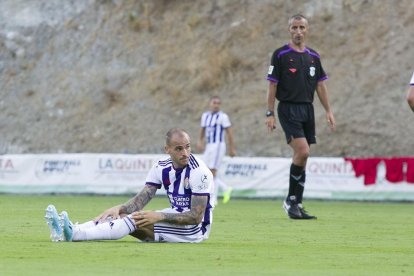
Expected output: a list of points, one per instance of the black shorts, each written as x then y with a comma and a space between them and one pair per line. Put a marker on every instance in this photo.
297, 121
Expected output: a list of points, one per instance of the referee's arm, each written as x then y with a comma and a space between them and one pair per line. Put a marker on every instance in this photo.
323, 97
410, 97
271, 98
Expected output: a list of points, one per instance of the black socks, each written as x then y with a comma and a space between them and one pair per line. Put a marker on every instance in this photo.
297, 178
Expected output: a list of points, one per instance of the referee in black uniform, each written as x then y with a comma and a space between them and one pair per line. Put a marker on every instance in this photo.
295, 73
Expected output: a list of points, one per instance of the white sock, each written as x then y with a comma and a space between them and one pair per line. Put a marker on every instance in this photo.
86, 225
89, 224
112, 230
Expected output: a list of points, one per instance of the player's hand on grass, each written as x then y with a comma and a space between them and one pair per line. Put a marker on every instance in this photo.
144, 218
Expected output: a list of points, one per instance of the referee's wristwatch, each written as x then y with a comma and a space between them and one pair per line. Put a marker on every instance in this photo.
270, 113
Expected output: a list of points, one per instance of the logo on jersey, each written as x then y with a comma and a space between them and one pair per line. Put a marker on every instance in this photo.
293, 70
312, 71
203, 184
186, 183
270, 70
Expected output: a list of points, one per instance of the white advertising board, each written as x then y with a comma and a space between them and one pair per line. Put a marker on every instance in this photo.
250, 177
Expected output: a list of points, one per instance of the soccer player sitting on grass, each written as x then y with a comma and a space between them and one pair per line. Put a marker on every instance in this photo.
189, 186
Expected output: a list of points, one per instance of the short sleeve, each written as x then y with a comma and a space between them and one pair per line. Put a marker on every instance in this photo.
203, 120
226, 121
273, 72
153, 177
322, 74
412, 80
201, 182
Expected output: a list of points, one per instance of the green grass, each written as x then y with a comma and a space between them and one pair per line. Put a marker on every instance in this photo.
248, 237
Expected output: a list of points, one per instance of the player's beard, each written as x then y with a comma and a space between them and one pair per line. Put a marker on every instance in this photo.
298, 40
184, 161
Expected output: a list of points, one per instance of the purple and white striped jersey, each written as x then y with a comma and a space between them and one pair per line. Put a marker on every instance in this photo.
181, 184
412, 80
215, 124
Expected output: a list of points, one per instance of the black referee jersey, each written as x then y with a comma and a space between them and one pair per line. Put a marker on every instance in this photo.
296, 74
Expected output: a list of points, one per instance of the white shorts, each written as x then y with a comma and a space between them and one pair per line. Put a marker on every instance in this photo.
168, 232
213, 155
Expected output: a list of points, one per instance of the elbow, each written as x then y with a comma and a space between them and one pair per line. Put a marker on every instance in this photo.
198, 219
410, 98
411, 103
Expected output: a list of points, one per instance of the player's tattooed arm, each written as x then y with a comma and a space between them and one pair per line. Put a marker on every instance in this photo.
139, 201
194, 216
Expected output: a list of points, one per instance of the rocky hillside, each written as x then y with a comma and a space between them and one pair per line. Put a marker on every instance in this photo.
113, 75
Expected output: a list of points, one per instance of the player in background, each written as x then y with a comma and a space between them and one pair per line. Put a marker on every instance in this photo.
294, 74
189, 187
215, 125
410, 95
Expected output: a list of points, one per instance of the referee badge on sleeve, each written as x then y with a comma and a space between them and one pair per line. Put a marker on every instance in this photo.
270, 70
312, 71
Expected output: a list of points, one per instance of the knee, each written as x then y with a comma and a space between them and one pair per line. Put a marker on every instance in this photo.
410, 98
301, 156
410, 101
304, 154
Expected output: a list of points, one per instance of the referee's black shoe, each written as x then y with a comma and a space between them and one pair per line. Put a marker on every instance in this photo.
292, 208
305, 215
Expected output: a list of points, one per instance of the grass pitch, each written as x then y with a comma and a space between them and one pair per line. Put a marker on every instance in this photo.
249, 237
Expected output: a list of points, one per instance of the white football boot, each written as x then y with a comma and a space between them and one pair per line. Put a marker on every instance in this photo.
66, 225
52, 220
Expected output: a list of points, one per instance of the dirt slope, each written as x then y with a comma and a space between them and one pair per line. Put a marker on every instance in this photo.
113, 76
